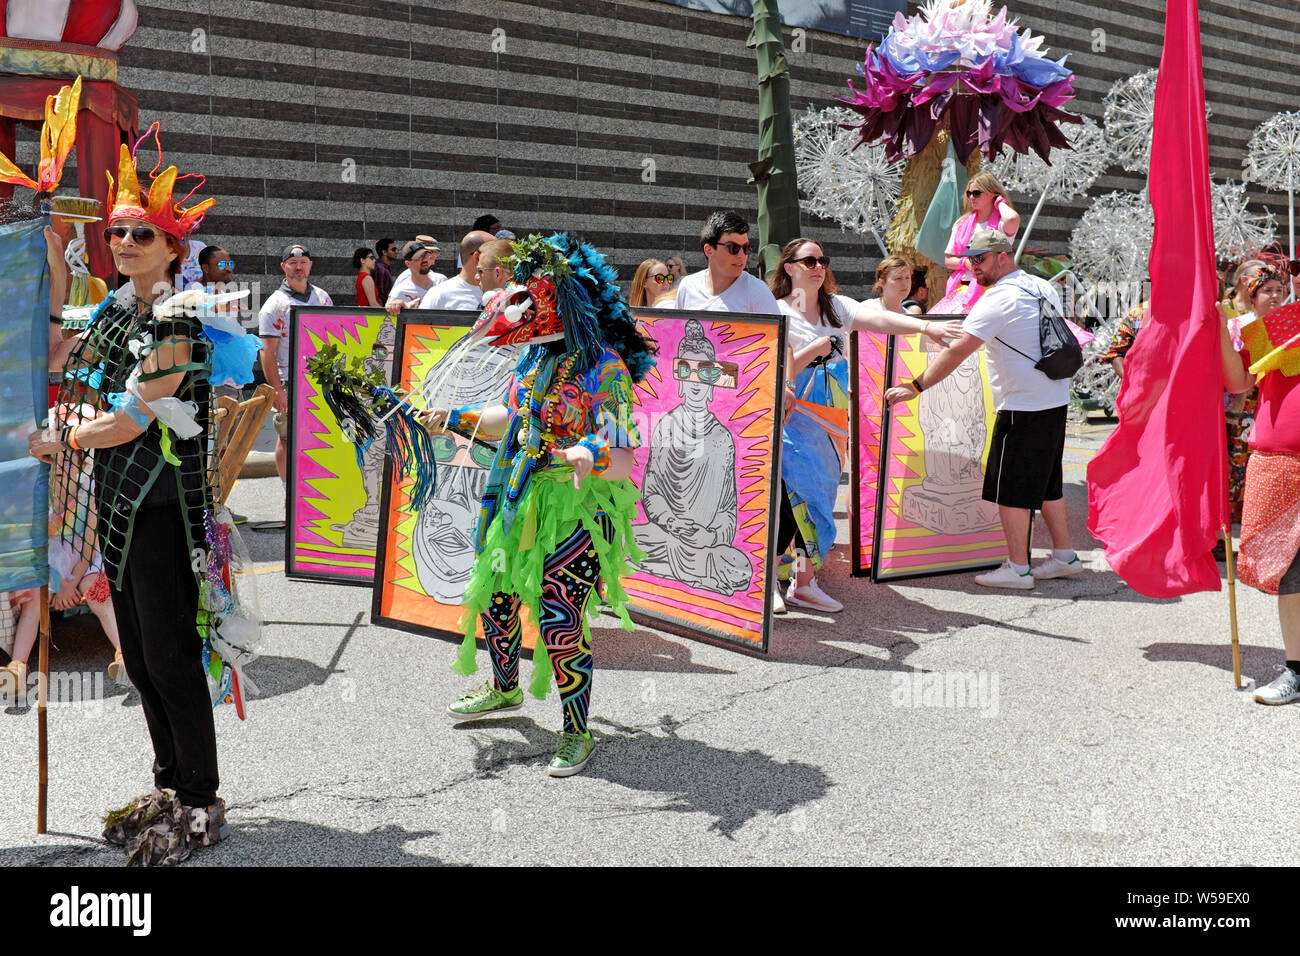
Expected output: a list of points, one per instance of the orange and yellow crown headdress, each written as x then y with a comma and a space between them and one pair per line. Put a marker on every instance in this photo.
58, 133
126, 201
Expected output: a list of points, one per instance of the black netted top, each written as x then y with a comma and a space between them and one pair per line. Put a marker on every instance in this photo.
135, 475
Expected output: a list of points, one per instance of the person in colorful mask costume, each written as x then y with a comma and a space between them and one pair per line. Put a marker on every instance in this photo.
555, 519
134, 421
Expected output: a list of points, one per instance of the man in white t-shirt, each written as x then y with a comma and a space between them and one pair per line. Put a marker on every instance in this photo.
462, 290
273, 326
1024, 460
725, 286
410, 287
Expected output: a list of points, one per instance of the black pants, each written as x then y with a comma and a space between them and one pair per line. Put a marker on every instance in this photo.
155, 611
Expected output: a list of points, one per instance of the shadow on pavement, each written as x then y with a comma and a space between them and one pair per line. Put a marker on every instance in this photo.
271, 841
263, 841
892, 627
731, 786
1256, 661
642, 650
274, 676
263, 546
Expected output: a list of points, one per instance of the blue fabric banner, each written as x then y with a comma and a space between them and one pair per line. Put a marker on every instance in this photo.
24, 357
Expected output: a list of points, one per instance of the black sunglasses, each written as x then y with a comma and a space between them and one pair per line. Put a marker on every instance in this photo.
808, 262
140, 235
974, 193
735, 248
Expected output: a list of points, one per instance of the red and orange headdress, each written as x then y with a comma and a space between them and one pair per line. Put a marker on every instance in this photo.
126, 201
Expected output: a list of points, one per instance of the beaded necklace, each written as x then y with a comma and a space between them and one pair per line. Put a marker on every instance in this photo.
535, 402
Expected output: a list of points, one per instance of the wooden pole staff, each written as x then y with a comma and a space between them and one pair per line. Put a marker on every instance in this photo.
1232, 605
42, 691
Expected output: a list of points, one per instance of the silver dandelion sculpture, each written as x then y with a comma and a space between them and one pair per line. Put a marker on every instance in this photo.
1273, 154
1130, 110
857, 188
1129, 118
1112, 242
1238, 232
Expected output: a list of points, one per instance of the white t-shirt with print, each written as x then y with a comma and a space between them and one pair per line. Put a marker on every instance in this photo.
191, 271
274, 320
746, 294
1009, 310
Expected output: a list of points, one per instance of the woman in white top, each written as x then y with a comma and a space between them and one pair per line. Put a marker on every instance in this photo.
818, 322
987, 208
893, 284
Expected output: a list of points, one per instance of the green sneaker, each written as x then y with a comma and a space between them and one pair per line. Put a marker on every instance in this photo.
485, 702
575, 750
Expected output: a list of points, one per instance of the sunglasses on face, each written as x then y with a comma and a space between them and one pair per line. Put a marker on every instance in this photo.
445, 449
974, 193
669, 278
735, 248
230, 263
976, 258
811, 262
140, 235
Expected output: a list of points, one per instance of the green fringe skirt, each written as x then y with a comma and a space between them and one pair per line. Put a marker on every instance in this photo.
514, 562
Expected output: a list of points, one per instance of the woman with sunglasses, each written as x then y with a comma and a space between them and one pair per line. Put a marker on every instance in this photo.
1264, 349
653, 281
135, 422
363, 260
818, 321
986, 208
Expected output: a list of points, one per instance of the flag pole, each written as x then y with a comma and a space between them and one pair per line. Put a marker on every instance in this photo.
1232, 603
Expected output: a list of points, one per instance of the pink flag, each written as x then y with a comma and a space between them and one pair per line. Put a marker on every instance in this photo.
1157, 490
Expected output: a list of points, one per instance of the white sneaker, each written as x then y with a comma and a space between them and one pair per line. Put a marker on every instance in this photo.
1282, 689
1054, 567
778, 605
813, 598
1006, 577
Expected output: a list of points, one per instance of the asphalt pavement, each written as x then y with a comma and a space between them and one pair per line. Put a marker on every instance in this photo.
931, 722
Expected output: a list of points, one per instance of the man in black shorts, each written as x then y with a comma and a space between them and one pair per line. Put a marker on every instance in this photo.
1024, 463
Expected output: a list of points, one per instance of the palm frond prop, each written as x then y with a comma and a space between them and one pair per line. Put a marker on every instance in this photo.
363, 403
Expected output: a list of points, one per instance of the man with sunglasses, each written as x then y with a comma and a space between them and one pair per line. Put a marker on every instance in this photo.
1024, 471
725, 286
273, 326
217, 268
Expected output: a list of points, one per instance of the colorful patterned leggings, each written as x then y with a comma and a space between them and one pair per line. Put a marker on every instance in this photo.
570, 575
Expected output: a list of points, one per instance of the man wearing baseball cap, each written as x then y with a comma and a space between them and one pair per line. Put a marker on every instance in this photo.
419, 255
273, 326
1024, 471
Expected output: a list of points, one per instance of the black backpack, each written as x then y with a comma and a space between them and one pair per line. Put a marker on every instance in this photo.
1062, 355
